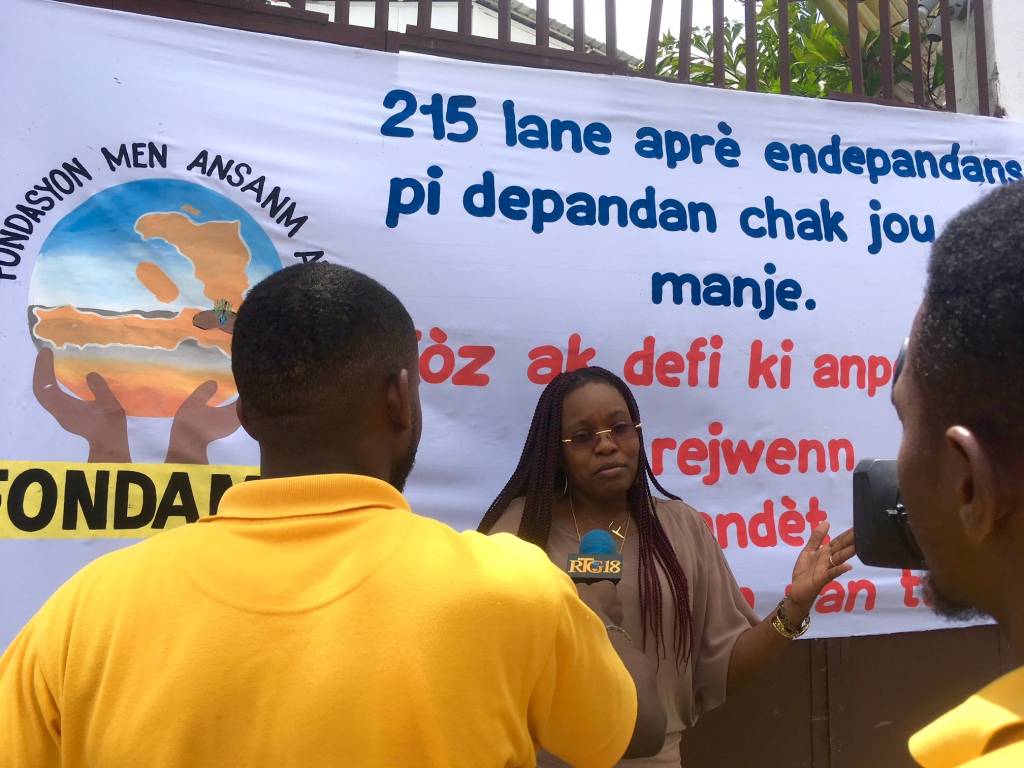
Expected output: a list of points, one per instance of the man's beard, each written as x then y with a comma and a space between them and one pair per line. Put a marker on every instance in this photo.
945, 606
402, 469
400, 472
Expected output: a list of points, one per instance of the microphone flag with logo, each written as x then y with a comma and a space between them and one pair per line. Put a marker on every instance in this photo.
597, 560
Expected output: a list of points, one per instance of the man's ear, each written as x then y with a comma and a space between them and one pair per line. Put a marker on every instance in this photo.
399, 401
974, 481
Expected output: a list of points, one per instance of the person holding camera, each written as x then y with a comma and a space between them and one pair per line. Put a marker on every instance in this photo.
961, 460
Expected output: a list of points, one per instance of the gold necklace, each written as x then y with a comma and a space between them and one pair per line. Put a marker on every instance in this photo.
616, 531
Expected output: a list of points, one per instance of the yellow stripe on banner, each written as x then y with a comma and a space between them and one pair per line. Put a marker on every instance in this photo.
57, 500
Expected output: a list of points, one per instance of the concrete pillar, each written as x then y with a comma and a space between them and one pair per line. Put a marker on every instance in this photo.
1005, 77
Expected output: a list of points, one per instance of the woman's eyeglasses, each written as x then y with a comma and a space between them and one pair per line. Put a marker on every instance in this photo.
622, 433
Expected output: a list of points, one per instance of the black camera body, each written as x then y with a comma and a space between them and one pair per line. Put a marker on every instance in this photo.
881, 528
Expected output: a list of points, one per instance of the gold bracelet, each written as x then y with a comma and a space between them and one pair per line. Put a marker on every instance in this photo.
617, 628
782, 625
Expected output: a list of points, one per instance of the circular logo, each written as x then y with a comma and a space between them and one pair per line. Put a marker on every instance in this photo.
140, 284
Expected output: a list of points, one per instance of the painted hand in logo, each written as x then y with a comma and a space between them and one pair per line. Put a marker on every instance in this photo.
101, 421
197, 424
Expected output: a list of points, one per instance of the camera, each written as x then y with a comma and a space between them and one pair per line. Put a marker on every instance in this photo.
881, 527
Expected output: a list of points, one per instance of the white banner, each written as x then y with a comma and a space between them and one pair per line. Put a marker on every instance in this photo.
748, 263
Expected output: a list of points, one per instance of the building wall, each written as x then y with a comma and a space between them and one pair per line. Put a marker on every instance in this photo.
1005, 77
848, 702
1008, 42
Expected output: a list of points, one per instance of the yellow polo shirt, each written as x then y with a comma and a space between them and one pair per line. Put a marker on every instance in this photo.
316, 621
986, 731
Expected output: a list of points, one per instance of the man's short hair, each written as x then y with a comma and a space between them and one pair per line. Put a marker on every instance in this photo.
969, 355
315, 333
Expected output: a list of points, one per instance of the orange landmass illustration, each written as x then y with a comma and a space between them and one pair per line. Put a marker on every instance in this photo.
157, 282
62, 326
215, 248
189, 209
144, 388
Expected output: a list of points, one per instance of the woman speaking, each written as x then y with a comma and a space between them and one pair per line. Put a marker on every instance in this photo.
584, 467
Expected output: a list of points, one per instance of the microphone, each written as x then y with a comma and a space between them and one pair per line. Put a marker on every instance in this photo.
597, 560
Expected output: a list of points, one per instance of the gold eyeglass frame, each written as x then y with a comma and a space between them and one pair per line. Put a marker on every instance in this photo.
597, 435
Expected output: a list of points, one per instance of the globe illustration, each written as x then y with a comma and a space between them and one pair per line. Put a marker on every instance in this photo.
139, 284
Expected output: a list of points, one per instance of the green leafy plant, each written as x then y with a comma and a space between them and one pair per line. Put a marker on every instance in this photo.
819, 62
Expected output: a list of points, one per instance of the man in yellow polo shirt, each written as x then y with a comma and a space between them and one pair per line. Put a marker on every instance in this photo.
961, 463
316, 621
